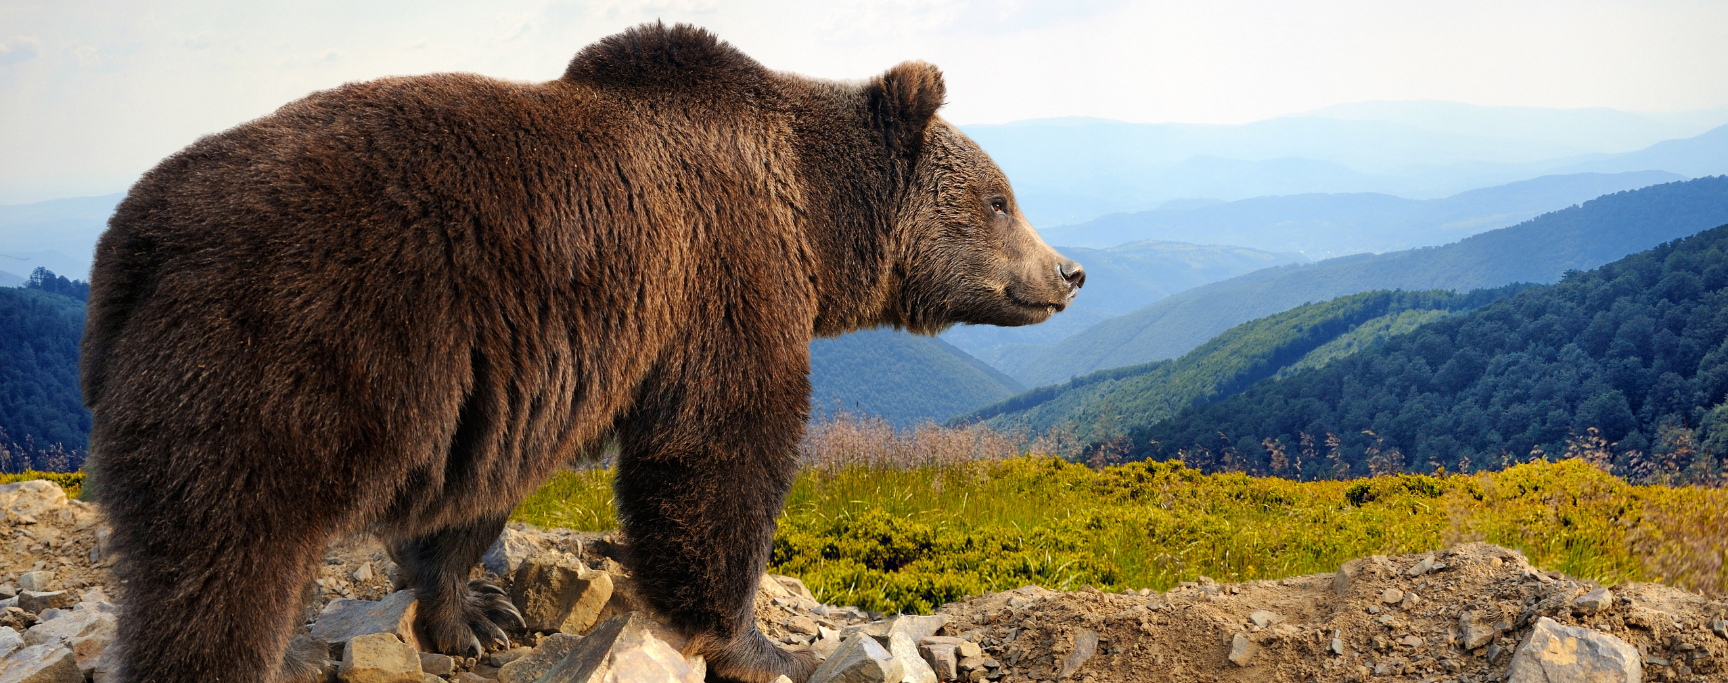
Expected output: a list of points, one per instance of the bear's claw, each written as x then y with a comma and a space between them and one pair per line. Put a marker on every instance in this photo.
477, 623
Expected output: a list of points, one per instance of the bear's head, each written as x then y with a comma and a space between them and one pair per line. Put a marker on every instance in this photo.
963, 250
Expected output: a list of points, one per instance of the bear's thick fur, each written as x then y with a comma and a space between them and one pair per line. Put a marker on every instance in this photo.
398, 306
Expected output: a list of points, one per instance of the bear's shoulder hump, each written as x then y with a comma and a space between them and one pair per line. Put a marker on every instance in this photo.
657, 55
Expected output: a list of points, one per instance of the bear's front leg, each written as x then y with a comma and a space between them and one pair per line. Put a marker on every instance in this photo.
455, 615
702, 475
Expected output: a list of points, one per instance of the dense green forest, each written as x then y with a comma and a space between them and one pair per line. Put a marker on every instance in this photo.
1538, 250
1104, 404
43, 424
904, 378
1626, 365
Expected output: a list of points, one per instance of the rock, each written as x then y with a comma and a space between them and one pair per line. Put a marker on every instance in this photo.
364, 573
437, 664
1337, 645
379, 658
1264, 618
1241, 650
1412, 641
41, 664
916, 670
859, 659
625, 600
16, 618
802, 624
1593, 601
469, 677
501, 658
1554, 653
1474, 630
940, 653
343, 620
33, 601
1392, 596
546, 655
49, 614
35, 581
1720, 627
624, 650
1420, 568
10, 641
1346, 576
68, 626
915, 627
557, 592
34, 498
509, 551
1085, 645
792, 585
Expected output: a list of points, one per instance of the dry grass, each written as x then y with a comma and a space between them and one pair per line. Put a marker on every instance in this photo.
851, 440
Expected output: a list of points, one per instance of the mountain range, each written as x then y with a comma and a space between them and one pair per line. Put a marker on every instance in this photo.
1539, 250
1327, 225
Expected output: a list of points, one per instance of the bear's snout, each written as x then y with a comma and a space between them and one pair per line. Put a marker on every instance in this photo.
1072, 273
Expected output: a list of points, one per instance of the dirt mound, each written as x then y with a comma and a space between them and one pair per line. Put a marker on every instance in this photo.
1393, 618
1454, 615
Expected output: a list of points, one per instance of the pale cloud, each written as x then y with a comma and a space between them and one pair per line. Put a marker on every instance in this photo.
93, 92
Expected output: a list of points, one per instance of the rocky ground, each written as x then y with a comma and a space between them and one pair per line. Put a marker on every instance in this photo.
1473, 613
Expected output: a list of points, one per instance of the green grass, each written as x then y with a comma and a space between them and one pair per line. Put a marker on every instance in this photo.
911, 539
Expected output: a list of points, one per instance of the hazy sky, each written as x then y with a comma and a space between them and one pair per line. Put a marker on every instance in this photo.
94, 92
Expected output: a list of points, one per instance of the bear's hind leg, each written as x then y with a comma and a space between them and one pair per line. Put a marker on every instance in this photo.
456, 616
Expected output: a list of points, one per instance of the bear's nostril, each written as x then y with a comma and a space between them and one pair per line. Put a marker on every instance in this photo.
1072, 273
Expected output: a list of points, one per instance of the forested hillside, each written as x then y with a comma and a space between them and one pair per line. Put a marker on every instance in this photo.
43, 424
1105, 404
1636, 350
1538, 250
902, 377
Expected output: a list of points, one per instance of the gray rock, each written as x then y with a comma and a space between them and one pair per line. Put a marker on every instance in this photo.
1555, 653
1474, 630
546, 655
1420, 568
860, 659
557, 592
917, 628
624, 650
1346, 576
1265, 618
35, 581
78, 624
1241, 650
916, 670
379, 658
34, 498
10, 641
1392, 596
1338, 643
437, 664
41, 664
343, 620
940, 652
1720, 627
1593, 601
1085, 645
33, 601
364, 573
509, 551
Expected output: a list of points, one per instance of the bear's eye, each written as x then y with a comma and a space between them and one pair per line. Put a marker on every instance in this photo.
999, 206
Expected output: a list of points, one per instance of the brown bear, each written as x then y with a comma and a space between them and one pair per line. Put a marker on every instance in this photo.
398, 306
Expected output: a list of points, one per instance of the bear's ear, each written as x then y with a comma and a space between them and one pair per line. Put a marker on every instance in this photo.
902, 101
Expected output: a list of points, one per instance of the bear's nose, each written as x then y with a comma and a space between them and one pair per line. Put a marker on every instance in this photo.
1072, 273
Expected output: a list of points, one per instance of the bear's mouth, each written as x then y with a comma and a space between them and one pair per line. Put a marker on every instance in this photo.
1049, 306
